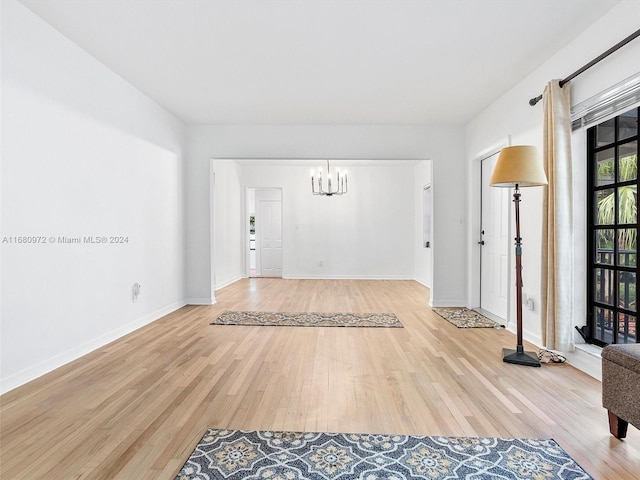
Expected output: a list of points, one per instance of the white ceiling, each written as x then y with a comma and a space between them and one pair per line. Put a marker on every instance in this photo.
322, 61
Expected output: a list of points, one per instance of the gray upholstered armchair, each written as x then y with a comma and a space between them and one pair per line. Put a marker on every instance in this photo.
621, 387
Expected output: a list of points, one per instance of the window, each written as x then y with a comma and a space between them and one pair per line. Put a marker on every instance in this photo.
612, 220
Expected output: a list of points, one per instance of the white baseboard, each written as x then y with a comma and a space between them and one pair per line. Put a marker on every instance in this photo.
452, 302
528, 337
422, 282
35, 371
201, 301
588, 359
226, 283
306, 276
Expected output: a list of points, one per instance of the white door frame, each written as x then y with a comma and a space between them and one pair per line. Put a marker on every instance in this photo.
212, 229
475, 215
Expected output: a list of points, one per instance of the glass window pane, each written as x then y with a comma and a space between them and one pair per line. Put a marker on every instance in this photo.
605, 207
628, 124
605, 133
605, 167
628, 169
603, 319
604, 286
627, 325
627, 247
604, 246
627, 290
613, 214
627, 206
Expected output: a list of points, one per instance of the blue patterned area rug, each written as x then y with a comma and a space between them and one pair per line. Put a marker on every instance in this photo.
239, 454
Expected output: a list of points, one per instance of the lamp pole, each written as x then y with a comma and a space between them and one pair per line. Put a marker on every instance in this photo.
519, 356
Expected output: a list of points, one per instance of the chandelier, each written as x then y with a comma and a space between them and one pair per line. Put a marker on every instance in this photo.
340, 187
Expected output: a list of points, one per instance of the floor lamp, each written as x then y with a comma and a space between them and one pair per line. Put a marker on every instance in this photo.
517, 167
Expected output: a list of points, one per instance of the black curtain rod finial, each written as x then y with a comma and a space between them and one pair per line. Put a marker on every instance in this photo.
535, 100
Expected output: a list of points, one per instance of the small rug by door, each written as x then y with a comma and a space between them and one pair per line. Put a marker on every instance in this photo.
238, 454
309, 319
464, 318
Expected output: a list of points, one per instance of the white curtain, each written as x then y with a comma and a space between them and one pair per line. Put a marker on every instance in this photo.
557, 229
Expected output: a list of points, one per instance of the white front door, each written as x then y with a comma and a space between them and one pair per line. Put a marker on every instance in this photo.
494, 259
269, 233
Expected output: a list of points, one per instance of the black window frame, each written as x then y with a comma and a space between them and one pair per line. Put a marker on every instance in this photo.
592, 228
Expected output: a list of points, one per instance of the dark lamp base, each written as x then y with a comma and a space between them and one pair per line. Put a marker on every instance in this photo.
520, 357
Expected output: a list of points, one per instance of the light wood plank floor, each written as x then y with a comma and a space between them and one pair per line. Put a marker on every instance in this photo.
136, 408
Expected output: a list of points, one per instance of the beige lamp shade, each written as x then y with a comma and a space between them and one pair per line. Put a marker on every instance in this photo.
518, 165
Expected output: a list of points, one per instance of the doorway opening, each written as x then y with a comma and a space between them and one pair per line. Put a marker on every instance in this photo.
264, 232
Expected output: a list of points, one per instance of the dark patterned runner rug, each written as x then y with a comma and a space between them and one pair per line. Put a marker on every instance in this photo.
239, 454
309, 319
464, 318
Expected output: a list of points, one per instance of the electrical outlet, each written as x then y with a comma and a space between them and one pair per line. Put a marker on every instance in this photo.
321, 263
530, 304
136, 290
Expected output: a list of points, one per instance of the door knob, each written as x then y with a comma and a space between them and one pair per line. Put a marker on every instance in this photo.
481, 242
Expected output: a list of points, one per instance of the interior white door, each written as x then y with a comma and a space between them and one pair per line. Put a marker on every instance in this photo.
494, 235
269, 232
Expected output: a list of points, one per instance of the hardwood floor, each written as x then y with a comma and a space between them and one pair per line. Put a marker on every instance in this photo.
136, 408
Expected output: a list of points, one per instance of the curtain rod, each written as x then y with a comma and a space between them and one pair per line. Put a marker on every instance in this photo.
602, 56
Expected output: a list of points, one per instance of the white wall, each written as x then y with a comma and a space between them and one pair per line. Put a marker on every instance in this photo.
448, 253
229, 254
512, 116
367, 233
84, 154
444, 145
